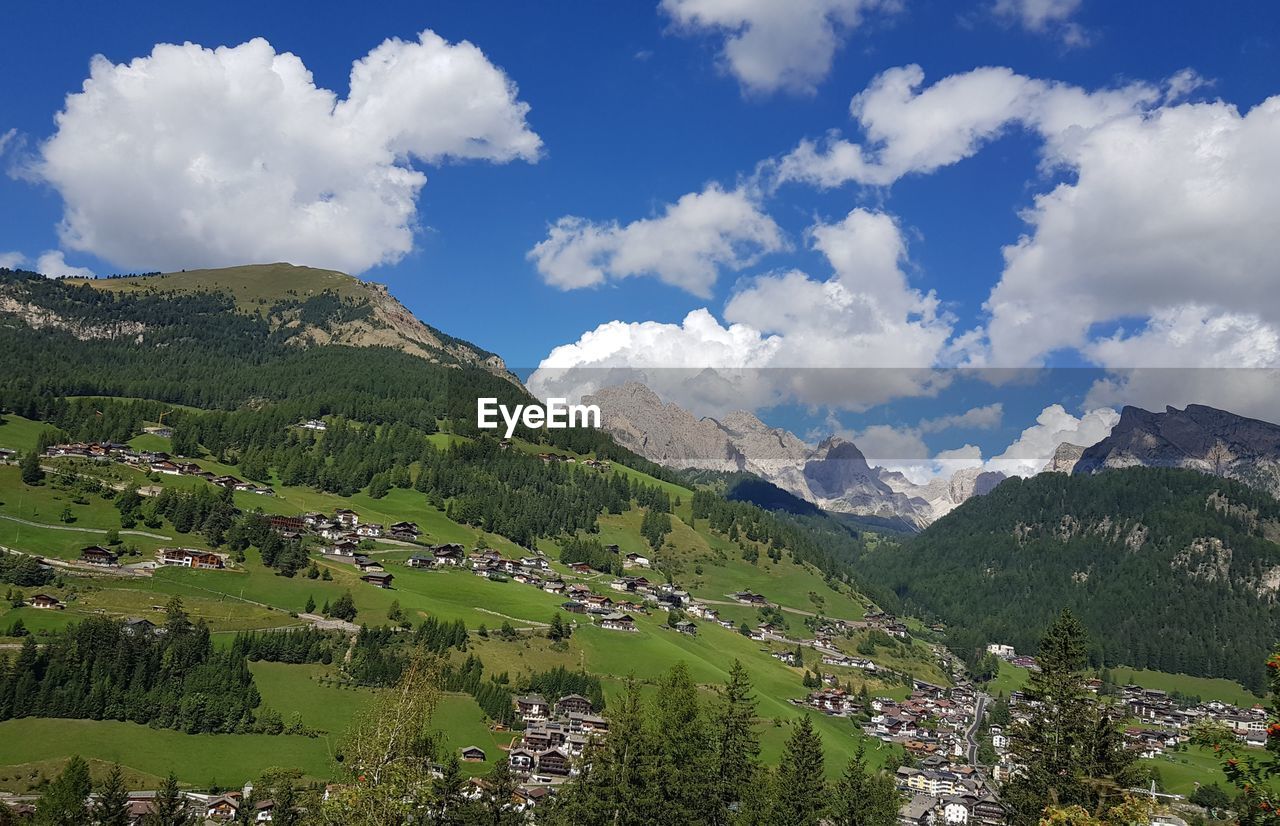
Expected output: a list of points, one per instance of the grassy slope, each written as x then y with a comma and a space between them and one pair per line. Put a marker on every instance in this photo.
1207, 688
254, 286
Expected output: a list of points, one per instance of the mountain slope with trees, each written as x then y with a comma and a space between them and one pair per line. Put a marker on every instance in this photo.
1168, 569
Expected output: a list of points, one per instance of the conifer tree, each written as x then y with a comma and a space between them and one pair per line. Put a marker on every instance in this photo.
864, 798
737, 743
169, 807
801, 784
685, 761
113, 797
32, 473
62, 803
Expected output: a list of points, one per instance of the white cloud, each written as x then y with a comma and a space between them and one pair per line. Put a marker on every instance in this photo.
1033, 449
783, 335
1173, 215
1043, 16
770, 45
913, 130
986, 417
686, 246
193, 156
53, 264
12, 260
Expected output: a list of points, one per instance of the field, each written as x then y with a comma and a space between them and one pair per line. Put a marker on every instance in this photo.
1010, 679
1206, 688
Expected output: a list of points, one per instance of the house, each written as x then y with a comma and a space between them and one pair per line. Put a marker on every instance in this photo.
165, 466
573, 704
346, 517
618, 622
749, 598
451, 554
227, 481
635, 560
686, 627
370, 529
554, 762
223, 807
580, 568
314, 424
45, 601
553, 586
367, 565
472, 754
190, 558
136, 627
287, 524
344, 547
421, 561
405, 531
98, 555
521, 760
531, 707
382, 579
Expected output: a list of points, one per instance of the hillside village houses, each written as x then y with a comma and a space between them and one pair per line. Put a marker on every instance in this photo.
152, 461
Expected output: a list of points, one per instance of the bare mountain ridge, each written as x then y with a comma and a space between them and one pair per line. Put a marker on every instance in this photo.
835, 475
1199, 437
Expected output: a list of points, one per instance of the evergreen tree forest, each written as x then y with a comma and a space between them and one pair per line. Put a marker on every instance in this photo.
1164, 568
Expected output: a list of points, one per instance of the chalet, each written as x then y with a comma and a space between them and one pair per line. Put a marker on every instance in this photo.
687, 628
589, 723
190, 558
521, 760
223, 807
749, 598
98, 555
380, 578
554, 762
45, 601
371, 530
287, 524
314, 424
313, 520
580, 568
535, 563
451, 554
531, 707
421, 561
227, 481
137, 627
189, 468
635, 560
166, 467
245, 487
405, 531
346, 517
618, 622
472, 754
573, 607
573, 704
598, 464
344, 547
367, 565
553, 586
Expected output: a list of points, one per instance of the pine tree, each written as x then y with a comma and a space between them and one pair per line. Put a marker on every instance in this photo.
113, 797
737, 744
284, 811
169, 807
1070, 748
801, 784
32, 473
62, 803
864, 798
685, 759
310, 607
502, 786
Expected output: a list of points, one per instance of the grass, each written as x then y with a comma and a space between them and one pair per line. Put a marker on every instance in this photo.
251, 285
1206, 688
17, 433
1010, 679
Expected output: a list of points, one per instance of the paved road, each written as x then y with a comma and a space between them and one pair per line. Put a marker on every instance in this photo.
972, 735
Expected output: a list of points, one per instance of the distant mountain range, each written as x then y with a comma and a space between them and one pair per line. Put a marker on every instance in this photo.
836, 476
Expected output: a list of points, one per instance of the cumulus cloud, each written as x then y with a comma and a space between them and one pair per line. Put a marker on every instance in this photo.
1173, 215
11, 260
1045, 16
194, 156
986, 417
1033, 449
913, 130
686, 246
53, 264
854, 340
771, 46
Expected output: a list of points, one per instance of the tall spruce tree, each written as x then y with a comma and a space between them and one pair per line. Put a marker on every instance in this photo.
801, 782
863, 797
1069, 749
737, 743
62, 803
685, 760
110, 807
169, 807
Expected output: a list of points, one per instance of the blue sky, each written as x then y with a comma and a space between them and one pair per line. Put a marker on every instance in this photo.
636, 106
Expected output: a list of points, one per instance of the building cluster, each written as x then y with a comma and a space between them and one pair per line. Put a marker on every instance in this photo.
554, 738
100, 557
151, 461
1009, 655
932, 721
944, 794
1164, 723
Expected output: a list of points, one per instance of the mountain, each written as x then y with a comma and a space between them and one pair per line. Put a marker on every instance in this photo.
1198, 438
1169, 569
309, 306
1064, 458
835, 475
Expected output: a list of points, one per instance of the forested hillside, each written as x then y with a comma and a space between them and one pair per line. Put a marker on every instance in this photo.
1169, 569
